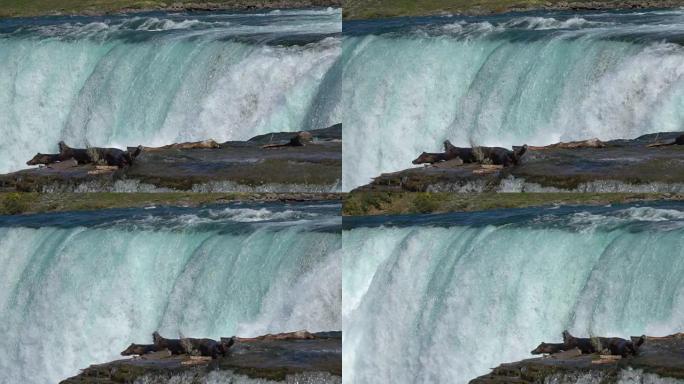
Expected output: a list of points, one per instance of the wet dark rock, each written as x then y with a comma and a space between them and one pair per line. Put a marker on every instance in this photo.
619, 166
662, 357
237, 166
272, 358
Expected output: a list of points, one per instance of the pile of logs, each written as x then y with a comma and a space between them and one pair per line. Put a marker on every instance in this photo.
112, 157
94, 155
480, 155
204, 347
301, 139
614, 346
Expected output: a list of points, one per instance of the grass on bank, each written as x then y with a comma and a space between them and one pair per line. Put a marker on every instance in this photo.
392, 203
14, 203
11, 8
19, 8
367, 9
355, 203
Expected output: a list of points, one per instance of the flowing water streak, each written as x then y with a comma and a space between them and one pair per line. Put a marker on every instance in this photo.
160, 78
506, 80
444, 298
77, 288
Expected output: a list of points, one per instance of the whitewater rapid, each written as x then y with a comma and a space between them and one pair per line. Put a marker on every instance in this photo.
504, 80
78, 288
160, 78
444, 298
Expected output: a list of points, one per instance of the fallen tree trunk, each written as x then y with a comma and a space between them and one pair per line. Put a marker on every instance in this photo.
614, 346
191, 346
205, 347
298, 335
96, 155
299, 140
679, 140
591, 143
481, 155
204, 144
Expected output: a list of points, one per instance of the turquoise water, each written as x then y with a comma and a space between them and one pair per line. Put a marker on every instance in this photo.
535, 78
159, 78
444, 298
77, 288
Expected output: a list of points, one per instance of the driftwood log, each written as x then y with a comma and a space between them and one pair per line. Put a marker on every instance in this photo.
481, 155
110, 156
301, 139
205, 347
591, 143
139, 349
298, 335
191, 346
204, 144
44, 158
94, 155
613, 346
679, 140
183, 346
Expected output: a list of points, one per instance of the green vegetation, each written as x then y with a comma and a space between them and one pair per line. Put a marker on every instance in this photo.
392, 203
14, 203
22, 203
17, 8
10, 8
365, 9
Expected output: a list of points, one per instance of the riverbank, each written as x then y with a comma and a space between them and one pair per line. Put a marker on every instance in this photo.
402, 203
27, 203
18, 8
362, 9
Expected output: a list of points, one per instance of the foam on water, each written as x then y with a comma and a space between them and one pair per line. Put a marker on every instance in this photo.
505, 80
77, 288
444, 302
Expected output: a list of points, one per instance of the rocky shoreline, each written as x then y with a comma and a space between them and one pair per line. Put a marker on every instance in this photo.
659, 359
361, 203
14, 203
295, 357
628, 166
234, 166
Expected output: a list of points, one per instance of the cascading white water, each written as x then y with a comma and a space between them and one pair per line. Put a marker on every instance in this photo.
163, 78
505, 80
443, 302
76, 292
